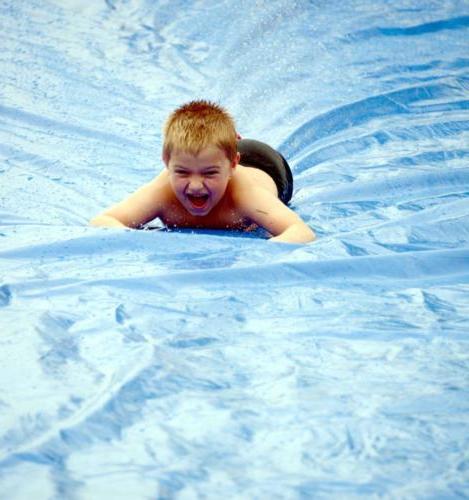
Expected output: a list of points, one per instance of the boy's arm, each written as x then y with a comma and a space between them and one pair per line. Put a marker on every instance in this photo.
267, 211
102, 220
140, 207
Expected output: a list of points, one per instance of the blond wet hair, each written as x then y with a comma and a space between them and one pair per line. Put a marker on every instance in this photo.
197, 125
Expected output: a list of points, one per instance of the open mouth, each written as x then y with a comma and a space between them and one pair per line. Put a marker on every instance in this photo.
198, 201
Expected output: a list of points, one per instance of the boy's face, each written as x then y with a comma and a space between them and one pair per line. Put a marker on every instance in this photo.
199, 182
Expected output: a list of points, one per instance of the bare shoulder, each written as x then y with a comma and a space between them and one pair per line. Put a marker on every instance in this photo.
247, 178
159, 183
153, 193
248, 185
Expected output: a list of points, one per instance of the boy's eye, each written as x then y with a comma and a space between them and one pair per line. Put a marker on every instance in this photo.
211, 173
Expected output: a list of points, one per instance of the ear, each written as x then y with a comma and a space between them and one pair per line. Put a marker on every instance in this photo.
165, 159
236, 160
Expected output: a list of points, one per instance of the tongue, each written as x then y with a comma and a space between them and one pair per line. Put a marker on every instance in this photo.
198, 201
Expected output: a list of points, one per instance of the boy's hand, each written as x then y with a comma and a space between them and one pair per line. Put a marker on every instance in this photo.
106, 221
297, 233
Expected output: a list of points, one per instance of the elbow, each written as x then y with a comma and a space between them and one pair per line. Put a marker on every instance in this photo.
305, 237
305, 234
300, 233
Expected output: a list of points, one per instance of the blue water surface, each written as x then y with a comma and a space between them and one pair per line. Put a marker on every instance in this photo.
155, 364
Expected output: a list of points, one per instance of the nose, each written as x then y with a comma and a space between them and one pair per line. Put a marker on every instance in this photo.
196, 184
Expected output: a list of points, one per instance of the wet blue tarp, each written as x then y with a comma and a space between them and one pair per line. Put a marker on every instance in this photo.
156, 364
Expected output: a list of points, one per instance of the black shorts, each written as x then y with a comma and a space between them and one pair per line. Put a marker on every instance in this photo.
259, 155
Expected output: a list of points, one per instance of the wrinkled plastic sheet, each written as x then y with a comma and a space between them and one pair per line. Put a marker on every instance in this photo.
202, 364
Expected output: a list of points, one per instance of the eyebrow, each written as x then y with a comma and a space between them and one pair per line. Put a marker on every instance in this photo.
210, 167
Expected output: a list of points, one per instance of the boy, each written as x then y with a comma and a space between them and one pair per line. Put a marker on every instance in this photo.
213, 180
